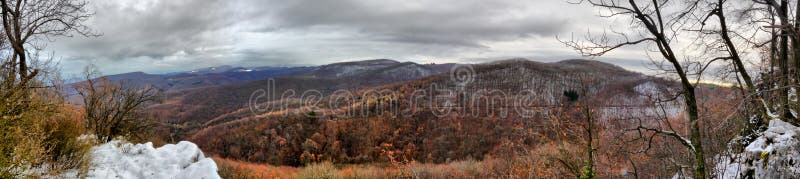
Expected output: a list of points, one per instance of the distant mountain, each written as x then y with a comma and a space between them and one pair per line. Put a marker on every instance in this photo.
216, 69
201, 104
397, 72
211, 76
358, 73
590, 64
343, 69
383, 68
137, 78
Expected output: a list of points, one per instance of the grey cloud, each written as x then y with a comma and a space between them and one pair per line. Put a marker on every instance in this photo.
267, 57
160, 29
174, 35
455, 22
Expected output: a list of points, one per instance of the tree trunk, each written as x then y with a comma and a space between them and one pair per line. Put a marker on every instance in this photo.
590, 146
784, 63
694, 132
664, 47
795, 67
23, 66
754, 98
737, 61
773, 54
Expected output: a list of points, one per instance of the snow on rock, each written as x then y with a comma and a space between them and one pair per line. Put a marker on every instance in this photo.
118, 159
774, 154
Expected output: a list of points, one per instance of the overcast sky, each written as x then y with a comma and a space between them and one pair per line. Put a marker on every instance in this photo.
158, 36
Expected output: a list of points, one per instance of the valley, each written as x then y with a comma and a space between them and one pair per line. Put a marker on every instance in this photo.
360, 89
379, 111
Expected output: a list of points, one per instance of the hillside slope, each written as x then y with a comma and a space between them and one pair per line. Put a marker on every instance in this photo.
356, 128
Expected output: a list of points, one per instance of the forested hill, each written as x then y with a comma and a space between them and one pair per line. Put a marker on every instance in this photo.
521, 103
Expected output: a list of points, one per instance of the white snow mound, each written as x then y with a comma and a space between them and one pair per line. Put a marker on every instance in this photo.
774, 154
117, 159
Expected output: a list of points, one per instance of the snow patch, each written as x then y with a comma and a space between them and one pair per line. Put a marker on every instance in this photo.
117, 159
774, 154
648, 89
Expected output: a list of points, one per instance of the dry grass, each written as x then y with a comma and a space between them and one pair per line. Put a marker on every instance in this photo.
461, 169
68, 150
324, 170
242, 170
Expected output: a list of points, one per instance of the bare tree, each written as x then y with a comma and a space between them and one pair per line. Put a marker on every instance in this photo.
26, 20
659, 29
718, 42
787, 77
114, 109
